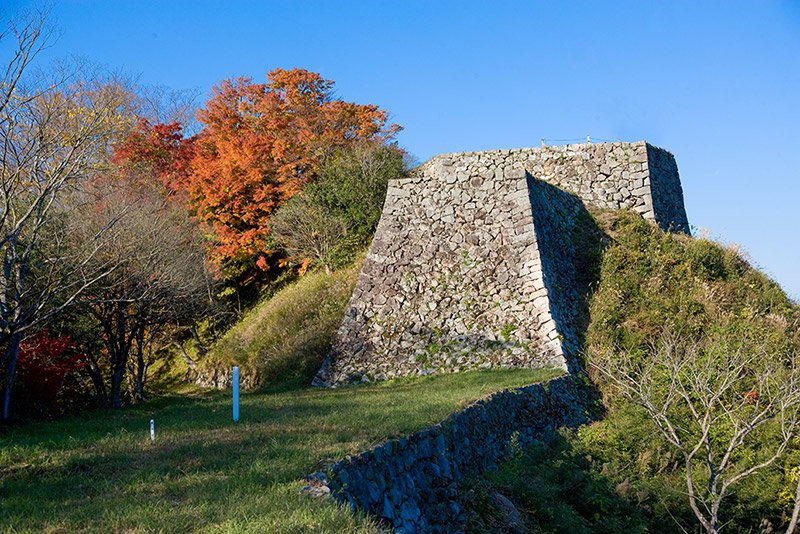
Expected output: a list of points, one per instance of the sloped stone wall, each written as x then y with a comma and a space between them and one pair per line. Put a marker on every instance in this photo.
666, 191
452, 282
412, 483
472, 264
555, 213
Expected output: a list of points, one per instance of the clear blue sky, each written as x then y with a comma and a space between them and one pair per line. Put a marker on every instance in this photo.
716, 83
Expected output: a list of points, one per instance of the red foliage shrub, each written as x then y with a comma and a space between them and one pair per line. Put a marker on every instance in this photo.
49, 381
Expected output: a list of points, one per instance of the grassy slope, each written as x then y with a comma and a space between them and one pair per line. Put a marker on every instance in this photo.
99, 472
288, 335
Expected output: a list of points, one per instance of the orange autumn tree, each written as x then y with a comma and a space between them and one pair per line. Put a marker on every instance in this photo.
260, 145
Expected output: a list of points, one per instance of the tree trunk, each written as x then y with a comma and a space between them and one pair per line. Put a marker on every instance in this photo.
191, 365
141, 367
119, 349
709, 526
118, 340
189, 361
117, 375
11, 356
796, 511
96, 376
201, 349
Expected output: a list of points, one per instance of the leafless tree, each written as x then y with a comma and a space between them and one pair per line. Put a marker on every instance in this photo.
161, 104
55, 130
707, 402
160, 284
306, 230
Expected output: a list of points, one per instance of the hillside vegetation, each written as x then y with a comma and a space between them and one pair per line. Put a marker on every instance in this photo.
650, 281
287, 336
619, 474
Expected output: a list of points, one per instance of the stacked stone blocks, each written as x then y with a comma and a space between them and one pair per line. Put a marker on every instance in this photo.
472, 264
412, 483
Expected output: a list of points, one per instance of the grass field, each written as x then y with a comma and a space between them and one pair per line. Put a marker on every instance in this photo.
99, 472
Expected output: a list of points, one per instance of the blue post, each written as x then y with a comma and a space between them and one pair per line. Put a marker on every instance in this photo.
235, 394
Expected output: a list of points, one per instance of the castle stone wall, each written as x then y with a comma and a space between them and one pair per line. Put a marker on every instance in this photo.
412, 483
472, 264
666, 191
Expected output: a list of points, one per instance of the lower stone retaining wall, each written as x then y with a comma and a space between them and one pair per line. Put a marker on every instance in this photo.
411, 484
221, 378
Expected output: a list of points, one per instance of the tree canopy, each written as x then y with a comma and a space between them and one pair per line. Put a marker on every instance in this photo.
260, 144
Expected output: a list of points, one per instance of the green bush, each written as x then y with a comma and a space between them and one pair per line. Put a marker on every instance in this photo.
653, 282
557, 490
352, 184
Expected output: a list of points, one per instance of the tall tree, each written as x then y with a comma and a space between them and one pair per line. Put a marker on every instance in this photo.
260, 146
161, 281
54, 131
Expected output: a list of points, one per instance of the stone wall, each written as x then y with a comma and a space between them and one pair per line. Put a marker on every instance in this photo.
610, 175
220, 378
412, 483
555, 213
472, 264
666, 191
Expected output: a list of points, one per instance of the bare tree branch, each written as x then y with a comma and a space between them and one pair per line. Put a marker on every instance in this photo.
707, 401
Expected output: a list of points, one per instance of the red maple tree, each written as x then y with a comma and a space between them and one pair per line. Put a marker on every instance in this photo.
260, 145
162, 149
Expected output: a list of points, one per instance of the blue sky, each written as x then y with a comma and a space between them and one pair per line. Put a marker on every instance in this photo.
716, 83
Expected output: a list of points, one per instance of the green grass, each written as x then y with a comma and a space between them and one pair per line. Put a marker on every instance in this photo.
287, 336
99, 472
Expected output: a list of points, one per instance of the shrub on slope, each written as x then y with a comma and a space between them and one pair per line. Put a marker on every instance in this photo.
619, 474
651, 281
